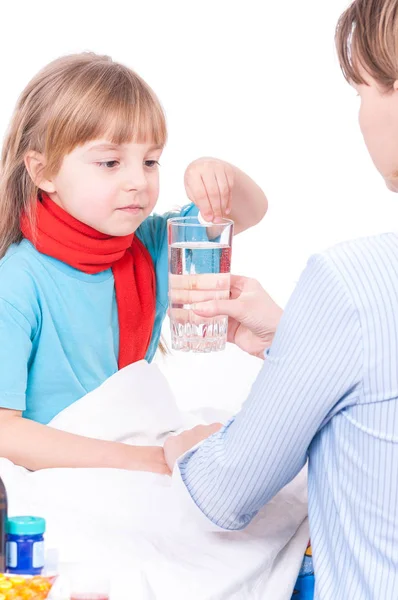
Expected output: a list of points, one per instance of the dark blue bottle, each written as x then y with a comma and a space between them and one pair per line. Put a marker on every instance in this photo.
25, 545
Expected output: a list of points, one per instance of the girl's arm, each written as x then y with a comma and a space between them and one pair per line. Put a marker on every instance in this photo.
36, 446
249, 204
220, 189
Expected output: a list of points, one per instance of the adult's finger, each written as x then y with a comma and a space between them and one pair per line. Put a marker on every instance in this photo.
214, 308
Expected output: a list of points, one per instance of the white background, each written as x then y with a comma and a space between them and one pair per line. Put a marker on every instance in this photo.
253, 82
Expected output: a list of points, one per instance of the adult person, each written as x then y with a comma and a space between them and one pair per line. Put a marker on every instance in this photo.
328, 389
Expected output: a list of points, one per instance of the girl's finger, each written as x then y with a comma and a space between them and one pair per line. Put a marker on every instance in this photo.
213, 193
197, 193
225, 191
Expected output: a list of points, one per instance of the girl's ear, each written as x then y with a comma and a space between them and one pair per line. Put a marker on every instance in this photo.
35, 164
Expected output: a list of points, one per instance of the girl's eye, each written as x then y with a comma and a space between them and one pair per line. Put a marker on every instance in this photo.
109, 164
151, 163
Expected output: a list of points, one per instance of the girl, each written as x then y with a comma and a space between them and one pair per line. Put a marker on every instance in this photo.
80, 294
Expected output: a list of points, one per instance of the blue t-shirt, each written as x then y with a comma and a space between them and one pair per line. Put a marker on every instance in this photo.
59, 330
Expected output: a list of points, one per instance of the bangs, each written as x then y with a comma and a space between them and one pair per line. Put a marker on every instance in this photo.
367, 42
350, 58
141, 123
111, 103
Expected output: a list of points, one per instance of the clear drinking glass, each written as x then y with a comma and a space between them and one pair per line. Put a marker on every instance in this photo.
199, 270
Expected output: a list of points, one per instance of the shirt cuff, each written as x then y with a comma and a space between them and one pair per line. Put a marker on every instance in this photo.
189, 210
13, 401
190, 514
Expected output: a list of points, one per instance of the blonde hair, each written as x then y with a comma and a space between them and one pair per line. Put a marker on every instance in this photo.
367, 40
71, 101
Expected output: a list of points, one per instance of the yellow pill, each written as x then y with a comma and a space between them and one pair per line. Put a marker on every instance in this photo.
17, 580
28, 594
13, 595
40, 585
37, 580
5, 585
2, 597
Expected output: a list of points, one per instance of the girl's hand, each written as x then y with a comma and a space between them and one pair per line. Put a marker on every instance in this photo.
209, 183
148, 458
177, 445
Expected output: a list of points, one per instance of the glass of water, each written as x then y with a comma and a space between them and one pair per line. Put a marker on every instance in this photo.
199, 270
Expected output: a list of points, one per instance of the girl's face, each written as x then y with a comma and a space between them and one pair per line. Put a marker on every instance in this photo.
378, 119
111, 188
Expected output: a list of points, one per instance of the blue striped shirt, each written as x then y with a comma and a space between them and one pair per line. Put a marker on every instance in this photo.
327, 392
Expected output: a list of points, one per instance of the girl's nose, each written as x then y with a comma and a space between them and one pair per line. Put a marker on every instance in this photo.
136, 180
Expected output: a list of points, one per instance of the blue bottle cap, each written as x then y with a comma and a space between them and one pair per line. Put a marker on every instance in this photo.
25, 525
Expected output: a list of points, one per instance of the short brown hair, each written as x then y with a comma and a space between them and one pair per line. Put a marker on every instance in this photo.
367, 39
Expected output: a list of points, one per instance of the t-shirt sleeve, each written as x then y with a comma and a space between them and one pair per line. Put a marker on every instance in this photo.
153, 231
15, 352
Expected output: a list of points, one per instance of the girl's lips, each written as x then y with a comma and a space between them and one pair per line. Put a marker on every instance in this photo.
134, 210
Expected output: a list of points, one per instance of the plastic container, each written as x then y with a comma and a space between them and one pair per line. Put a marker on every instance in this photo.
25, 586
25, 545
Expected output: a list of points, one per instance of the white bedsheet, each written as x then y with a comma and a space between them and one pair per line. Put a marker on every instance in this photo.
129, 521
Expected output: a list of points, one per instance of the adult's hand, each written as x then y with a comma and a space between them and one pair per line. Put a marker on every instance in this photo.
253, 315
